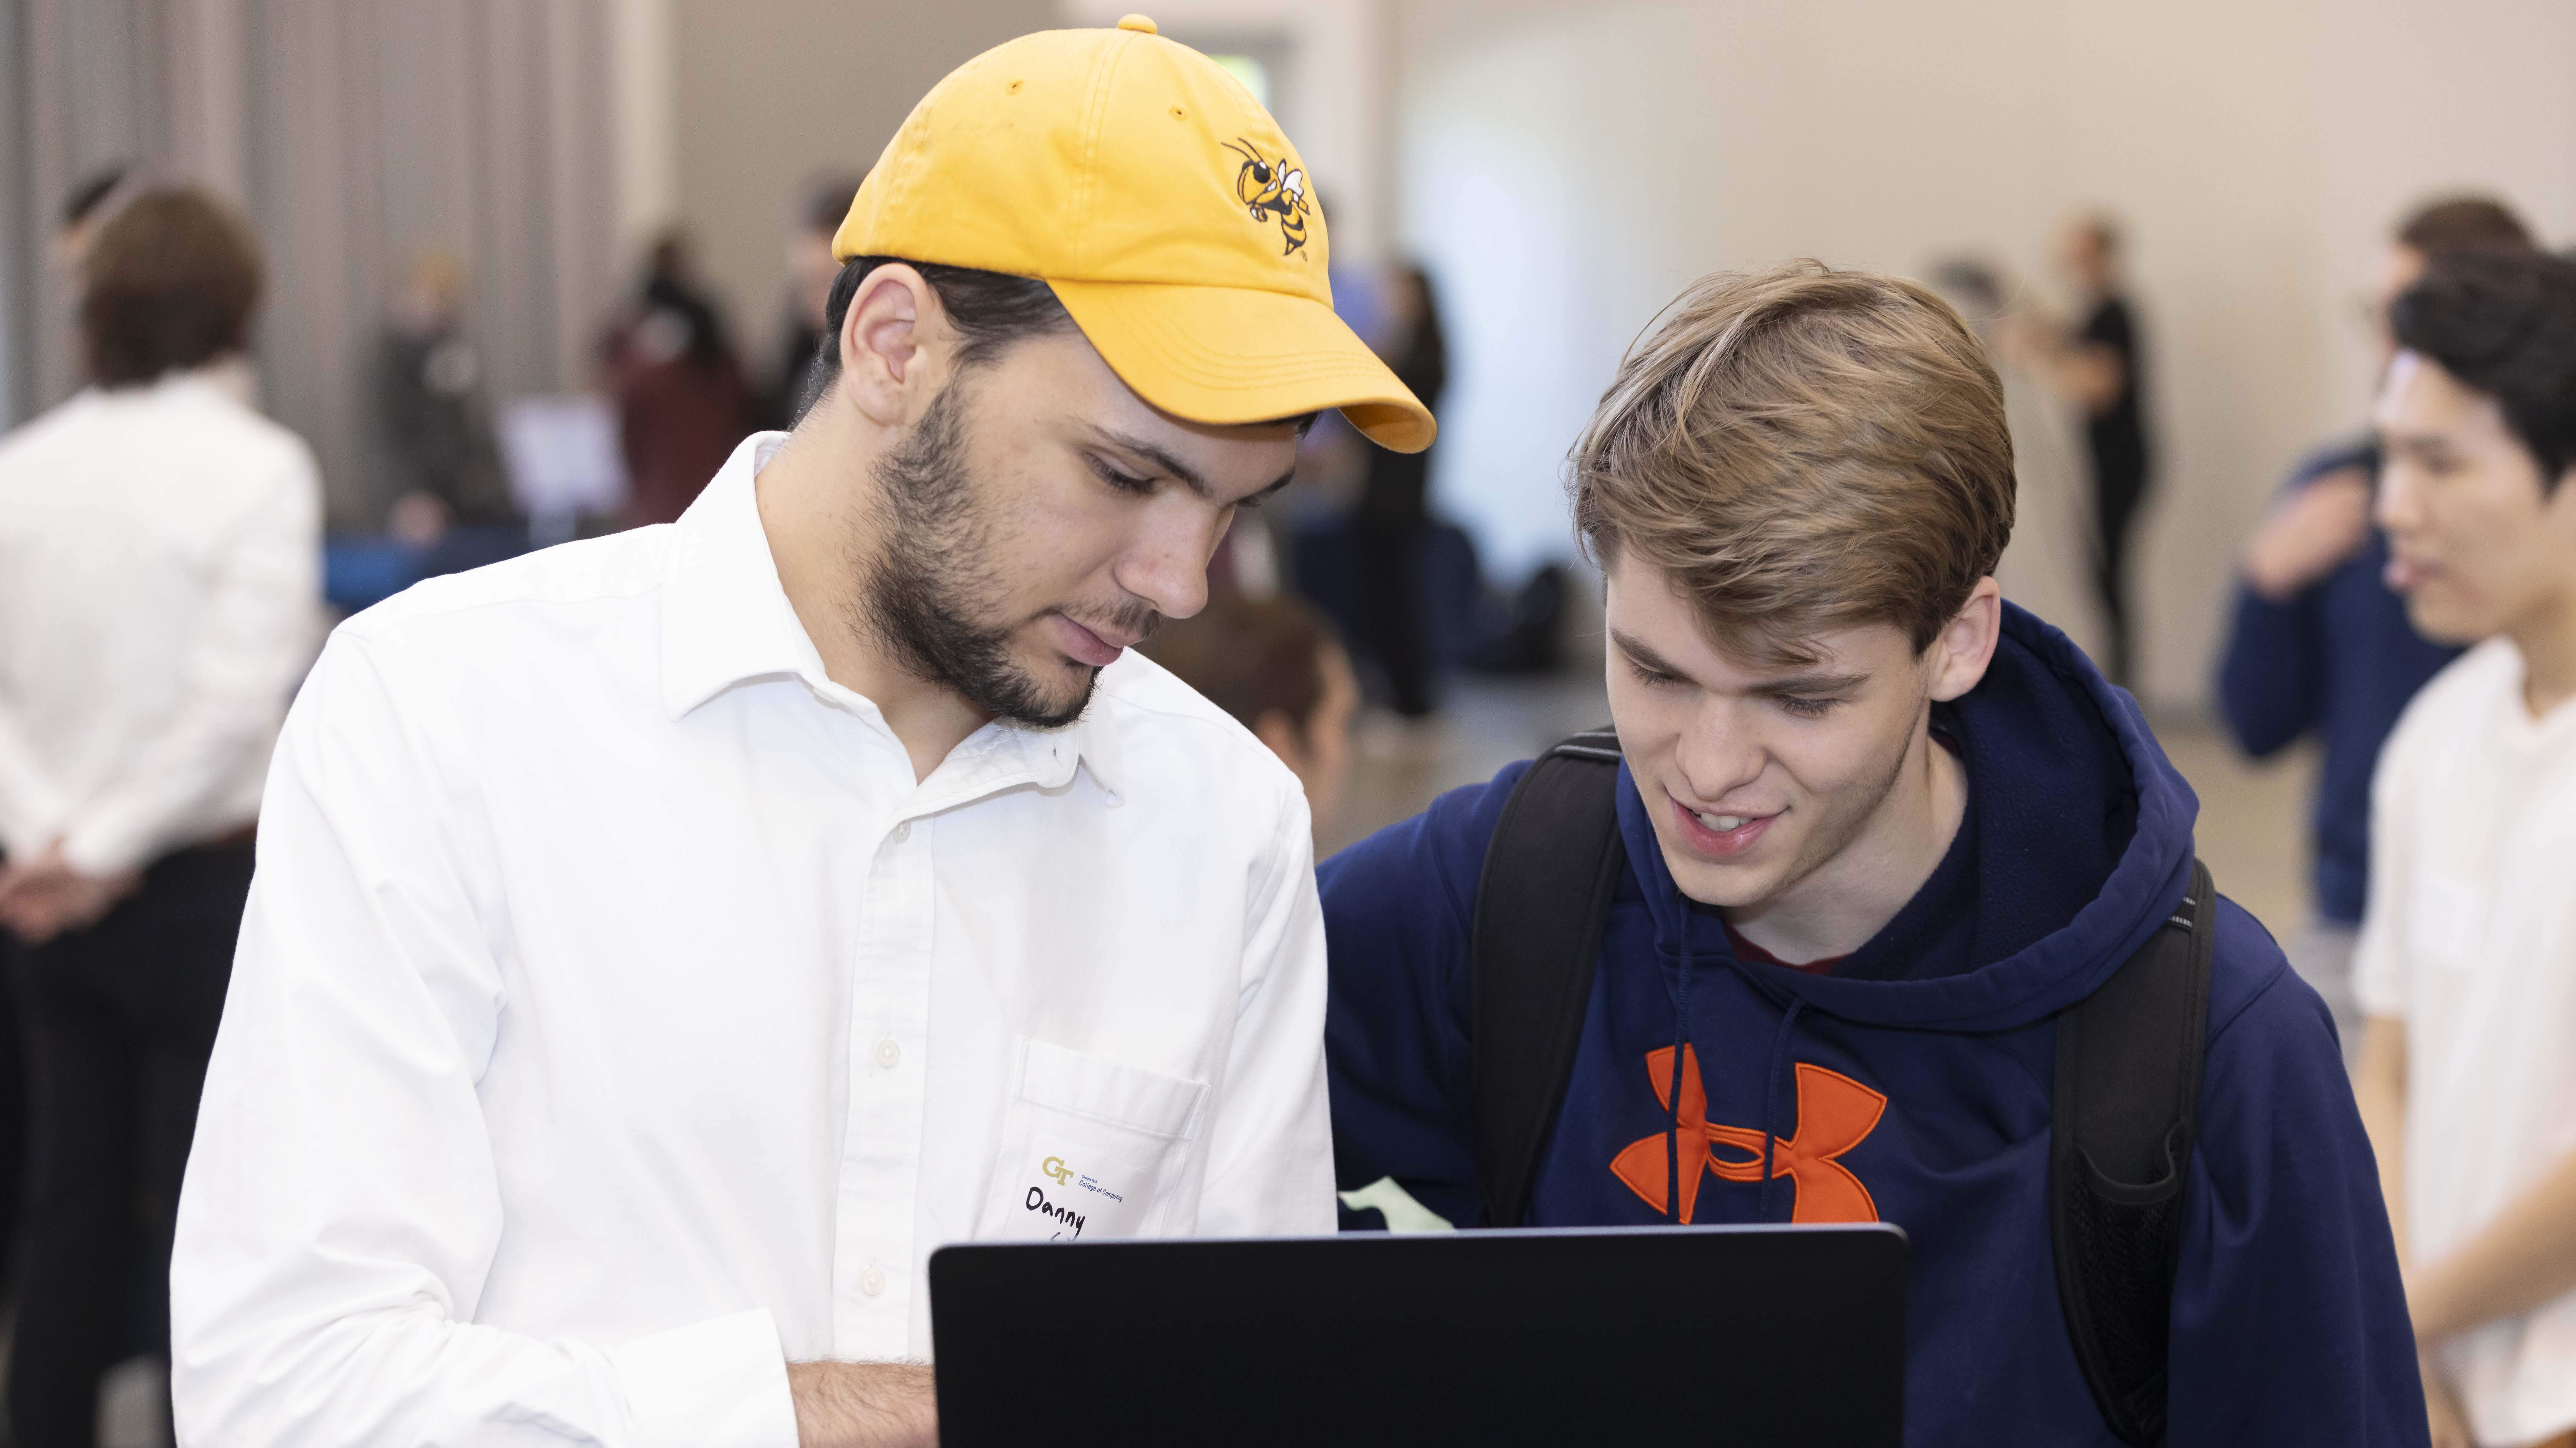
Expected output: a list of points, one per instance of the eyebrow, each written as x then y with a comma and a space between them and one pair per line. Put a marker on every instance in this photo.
1164, 460
1814, 681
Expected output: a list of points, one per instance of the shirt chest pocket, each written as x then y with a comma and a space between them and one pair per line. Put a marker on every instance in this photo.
1091, 1148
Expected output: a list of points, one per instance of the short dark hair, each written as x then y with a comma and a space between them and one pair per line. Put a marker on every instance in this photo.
991, 310
170, 284
2462, 221
1251, 657
2503, 322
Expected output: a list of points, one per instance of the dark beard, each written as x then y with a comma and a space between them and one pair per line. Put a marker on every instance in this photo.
933, 575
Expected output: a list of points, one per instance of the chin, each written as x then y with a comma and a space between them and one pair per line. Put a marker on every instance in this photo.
2446, 619
1727, 886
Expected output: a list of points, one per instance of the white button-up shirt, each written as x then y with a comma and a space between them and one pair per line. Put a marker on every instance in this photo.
616, 1018
160, 591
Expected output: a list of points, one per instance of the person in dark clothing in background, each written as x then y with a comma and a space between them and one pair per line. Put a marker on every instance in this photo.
682, 403
2099, 365
1395, 508
2320, 643
810, 271
441, 469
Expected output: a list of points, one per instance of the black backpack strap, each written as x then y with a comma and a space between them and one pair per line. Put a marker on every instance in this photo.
1549, 874
2127, 1113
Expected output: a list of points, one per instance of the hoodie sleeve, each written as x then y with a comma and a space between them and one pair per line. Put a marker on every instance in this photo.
1398, 908
2272, 678
2289, 1321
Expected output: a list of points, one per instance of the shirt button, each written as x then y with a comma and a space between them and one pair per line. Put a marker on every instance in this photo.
889, 1055
903, 832
872, 1282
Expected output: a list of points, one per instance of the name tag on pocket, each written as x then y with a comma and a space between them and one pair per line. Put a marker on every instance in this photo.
1073, 1191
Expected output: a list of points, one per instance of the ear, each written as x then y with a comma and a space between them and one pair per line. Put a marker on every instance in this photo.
894, 356
1285, 739
1966, 644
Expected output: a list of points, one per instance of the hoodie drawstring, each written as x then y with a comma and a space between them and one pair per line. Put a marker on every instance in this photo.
1771, 1102
1673, 1132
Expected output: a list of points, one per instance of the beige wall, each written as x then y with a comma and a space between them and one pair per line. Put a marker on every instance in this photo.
770, 93
1567, 168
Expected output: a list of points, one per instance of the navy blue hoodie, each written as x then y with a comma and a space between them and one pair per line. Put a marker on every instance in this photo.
1912, 1084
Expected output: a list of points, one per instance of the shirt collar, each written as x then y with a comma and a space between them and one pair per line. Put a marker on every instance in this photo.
726, 619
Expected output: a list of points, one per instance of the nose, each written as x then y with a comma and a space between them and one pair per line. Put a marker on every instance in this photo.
1718, 753
1167, 563
2399, 506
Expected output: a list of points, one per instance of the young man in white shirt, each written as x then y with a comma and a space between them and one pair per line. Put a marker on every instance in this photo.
663, 942
2467, 962
160, 591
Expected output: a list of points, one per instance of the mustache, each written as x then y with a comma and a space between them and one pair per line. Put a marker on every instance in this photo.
1131, 618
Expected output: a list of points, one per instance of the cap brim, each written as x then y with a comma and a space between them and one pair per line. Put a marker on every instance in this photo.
1228, 355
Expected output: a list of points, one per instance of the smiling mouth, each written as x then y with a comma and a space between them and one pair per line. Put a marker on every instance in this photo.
1720, 834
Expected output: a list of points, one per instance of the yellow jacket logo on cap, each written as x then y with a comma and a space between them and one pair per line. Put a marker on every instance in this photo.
1271, 188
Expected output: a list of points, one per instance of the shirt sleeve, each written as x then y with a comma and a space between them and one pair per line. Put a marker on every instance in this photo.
253, 637
2285, 1240
1270, 1155
341, 1208
2379, 966
2273, 674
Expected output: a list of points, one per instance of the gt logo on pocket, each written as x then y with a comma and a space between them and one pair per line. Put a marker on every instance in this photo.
1054, 1166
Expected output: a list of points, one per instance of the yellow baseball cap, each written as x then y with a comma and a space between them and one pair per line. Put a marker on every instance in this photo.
1162, 204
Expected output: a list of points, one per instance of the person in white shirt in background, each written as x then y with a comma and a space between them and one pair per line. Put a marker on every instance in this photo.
663, 942
160, 594
2467, 963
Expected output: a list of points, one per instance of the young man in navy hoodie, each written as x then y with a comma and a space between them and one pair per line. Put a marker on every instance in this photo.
1881, 828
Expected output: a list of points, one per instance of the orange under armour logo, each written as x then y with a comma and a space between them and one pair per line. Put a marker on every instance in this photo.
1835, 1113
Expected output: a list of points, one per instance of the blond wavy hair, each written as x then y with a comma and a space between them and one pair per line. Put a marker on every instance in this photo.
1802, 450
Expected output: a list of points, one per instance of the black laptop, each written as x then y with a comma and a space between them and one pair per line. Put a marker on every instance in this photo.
1733, 1335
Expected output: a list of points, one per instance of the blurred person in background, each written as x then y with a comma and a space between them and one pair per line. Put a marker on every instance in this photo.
1394, 510
435, 434
2098, 364
2467, 965
662, 943
1276, 666
682, 403
159, 589
810, 273
2320, 644
85, 207
2047, 568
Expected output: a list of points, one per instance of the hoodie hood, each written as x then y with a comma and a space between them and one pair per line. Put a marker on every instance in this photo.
2062, 898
